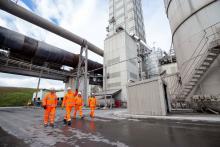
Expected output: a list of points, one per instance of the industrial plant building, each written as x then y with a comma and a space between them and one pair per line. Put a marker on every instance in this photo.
145, 79
120, 50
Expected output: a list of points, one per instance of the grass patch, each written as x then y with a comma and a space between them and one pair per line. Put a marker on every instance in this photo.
11, 96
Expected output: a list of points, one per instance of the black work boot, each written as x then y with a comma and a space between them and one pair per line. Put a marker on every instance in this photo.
82, 117
45, 125
52, 125
64, 121
69, 123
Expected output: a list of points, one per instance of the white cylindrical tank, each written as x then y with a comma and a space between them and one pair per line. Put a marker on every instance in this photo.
194, 24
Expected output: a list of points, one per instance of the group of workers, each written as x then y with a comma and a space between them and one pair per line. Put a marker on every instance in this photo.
72, 100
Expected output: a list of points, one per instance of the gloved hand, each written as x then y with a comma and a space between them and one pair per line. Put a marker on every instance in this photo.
45, 107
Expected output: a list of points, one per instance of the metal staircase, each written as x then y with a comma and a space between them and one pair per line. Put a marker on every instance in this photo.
206, 52
209, 57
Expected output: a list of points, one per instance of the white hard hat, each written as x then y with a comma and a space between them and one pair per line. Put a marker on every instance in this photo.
69, 88
79, 93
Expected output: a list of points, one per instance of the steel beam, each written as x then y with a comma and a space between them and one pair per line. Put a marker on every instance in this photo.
23, 72
86, 75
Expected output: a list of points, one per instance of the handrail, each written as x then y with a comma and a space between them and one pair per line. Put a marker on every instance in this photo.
195, 56
204, 30
194, 50
189, 60
194, 59
203, 54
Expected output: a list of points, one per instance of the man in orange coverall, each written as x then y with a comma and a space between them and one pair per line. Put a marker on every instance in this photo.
49, 104
92, 104
78, 105
69, 103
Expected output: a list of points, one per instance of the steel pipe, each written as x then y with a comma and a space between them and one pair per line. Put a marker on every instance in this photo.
24, 47
22, 13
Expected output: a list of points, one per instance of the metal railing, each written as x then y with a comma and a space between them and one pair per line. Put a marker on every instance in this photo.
189, 67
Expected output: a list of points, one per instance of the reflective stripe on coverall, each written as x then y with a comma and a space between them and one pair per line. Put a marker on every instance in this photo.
50, 101
92, 105
69, 103
78, 106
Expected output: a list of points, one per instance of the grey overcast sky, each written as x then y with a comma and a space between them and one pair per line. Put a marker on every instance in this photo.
87, 18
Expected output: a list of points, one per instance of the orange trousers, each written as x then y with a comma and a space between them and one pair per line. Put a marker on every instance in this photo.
68, 113
78, 108
92, 111
49, 113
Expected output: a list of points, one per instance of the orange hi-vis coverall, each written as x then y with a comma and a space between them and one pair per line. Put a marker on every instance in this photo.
78, 106
50, 102
92, 105
69, 103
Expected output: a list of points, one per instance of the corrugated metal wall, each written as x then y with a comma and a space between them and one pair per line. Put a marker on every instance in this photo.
146, 97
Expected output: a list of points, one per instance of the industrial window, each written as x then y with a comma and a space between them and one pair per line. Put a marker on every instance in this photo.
116, 84
114, 60
134, 76
114, 74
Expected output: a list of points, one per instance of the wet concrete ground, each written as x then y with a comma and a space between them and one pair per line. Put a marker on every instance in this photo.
26, 125
7, 140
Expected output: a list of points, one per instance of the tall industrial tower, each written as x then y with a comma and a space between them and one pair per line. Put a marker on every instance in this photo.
120, 51
127, 14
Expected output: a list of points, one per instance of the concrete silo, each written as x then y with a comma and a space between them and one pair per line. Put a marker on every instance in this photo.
195, 26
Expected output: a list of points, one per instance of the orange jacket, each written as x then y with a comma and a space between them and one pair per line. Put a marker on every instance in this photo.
69, 99
50, 100
92, 101
79, 101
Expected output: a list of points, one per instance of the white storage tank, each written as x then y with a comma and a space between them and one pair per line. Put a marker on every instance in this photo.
194, 25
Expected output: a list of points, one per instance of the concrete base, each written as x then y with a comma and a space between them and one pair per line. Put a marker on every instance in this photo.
195, 117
